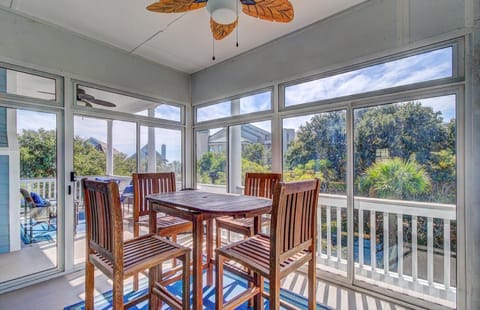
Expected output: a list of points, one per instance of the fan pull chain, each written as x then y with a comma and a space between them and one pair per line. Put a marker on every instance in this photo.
236, 28
213, 49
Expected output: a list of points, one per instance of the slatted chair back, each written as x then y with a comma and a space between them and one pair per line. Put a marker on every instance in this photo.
150, 183
294, 217
103, 214
261, 184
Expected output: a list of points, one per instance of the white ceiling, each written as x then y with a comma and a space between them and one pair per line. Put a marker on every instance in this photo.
182, 41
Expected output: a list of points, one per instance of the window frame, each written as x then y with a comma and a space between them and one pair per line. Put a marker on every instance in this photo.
225, 120
59, 87
458, 75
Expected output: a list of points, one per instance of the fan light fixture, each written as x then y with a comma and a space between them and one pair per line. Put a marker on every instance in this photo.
223, 11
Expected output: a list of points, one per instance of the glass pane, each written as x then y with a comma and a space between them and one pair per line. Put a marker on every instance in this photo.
105, 100
28, 220
169, 112
161, 151
249, 104
314, 146
124, 148
26, 84
212, 160
405, 197
251, 151
418, 68
214, 111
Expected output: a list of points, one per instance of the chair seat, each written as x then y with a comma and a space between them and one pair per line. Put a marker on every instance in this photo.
254, 253
169, 225
239, 225
141, 253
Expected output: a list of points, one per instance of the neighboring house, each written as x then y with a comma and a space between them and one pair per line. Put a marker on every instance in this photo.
101, 146
249, 134
144, 153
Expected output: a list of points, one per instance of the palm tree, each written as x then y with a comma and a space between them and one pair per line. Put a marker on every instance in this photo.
395, 179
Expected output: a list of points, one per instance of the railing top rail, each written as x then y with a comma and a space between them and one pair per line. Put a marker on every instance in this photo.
427, 209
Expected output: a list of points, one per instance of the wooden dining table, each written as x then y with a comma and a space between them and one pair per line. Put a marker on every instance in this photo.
198, 207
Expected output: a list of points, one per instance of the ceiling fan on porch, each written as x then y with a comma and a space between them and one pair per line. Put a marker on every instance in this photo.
224, 13
89, 99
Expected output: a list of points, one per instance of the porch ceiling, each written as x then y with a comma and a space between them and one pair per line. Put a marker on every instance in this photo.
180, 41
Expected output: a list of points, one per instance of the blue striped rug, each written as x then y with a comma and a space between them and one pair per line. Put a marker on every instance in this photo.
233, 285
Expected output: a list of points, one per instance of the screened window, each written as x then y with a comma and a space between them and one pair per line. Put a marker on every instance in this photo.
244, 105
106, 100
423, 67
26, 84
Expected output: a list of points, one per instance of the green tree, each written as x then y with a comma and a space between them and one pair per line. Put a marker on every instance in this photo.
212, 167
254, 152
38, 153
319, 150
124, 165
87, 160
395, 179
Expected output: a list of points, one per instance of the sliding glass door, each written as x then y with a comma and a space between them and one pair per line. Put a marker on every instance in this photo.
30, 208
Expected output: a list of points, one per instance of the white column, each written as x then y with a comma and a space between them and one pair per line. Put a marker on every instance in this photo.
152, 154
13, 154
235, 151
109, 153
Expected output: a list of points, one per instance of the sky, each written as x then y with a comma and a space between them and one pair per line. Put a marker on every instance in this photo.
422, 67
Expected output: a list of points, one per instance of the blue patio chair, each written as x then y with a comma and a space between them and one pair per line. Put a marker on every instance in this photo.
36, 210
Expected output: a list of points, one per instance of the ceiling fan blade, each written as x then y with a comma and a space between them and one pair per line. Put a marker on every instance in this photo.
220, 31
271, 10
83, 96
175, 6
103, 103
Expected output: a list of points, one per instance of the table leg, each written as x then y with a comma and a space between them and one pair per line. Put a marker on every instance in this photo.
257, 224
197, 236
209, 252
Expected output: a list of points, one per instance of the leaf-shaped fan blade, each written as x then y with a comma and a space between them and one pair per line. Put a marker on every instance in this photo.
175, 6
103, 102
272, 10
220, 31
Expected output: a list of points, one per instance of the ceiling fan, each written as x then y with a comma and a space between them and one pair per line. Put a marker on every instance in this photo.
224, 13
89, 99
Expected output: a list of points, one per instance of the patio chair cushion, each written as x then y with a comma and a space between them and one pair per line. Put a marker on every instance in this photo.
39, 201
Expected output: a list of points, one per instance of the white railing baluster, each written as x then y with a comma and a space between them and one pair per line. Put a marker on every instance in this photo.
329, 232
400, 244
446, 253
319, 230
430, 250
385, 243
360, 238
339, 234
414, 249
373, 240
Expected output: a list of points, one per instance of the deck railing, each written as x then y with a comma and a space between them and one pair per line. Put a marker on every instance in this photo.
410, 245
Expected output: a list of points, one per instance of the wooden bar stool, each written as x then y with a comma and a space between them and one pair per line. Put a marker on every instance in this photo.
117, 259
256, 184
291, 244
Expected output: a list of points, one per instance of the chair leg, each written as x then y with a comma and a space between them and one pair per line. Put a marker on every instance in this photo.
312, 285
174, 239
275, 293
117, 301
219, 282
186, 281
136, 232
218, 236
152, 298
258, 299
89, 284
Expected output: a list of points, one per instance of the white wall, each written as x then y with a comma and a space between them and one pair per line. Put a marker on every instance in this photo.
46, 47
373, 29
